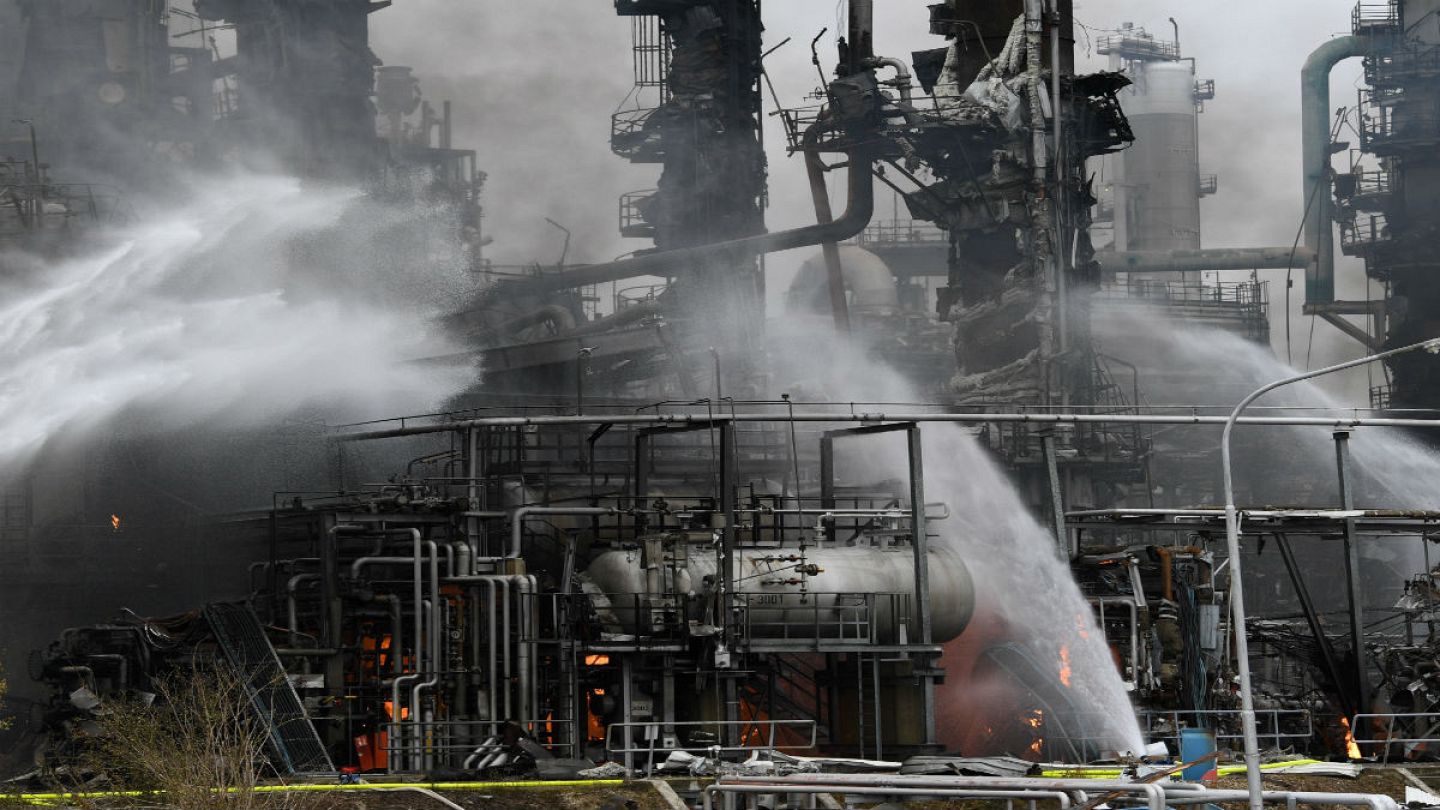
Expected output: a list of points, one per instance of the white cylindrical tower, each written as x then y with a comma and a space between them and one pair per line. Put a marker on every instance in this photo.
1158, 194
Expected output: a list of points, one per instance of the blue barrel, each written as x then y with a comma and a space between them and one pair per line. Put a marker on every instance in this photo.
1194, 744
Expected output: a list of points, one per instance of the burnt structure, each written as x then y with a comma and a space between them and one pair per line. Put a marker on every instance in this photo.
304, 76
1385, 198
571, 565
698, 62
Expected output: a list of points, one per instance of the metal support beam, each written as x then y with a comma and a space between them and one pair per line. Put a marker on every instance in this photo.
919, 542
1353, 587
1057, 500
1327, 650
1370, 343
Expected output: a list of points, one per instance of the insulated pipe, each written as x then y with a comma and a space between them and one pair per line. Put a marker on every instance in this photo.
1373, 801
1060, 797
1193, 261
1315, 161
529, 683
902, 78
505, 626
1154, 793
1330, 422
292, 613
860, 207
630, 314
362, 562
518, 518
494, 583
562, 319
434, 642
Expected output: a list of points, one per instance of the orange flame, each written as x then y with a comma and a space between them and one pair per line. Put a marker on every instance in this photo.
1065, 665
1352, 748
1035, 719
114, 523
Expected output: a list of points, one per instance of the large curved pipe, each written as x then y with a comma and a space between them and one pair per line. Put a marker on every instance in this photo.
558, 316
1315, 161
859, 208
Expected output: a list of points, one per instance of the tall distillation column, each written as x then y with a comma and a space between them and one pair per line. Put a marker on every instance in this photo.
701, 58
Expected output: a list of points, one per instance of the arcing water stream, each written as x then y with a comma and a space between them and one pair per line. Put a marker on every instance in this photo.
200, 313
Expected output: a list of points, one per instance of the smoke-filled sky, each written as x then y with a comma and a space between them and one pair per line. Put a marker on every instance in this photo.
534, 84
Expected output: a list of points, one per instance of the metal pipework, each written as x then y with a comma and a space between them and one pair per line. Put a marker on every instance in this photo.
859, 208
1232, 545
1059, 797
1154, 793
882, 416
1292, 797
1315, 161
292, 613
1194, 261
902, 80
519, 516
498, 587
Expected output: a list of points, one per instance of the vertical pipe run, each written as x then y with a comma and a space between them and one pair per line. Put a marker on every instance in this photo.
1315, 162
862, 34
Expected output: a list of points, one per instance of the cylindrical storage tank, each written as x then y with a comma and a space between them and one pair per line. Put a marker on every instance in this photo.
1159, 190
869, 284
861, 593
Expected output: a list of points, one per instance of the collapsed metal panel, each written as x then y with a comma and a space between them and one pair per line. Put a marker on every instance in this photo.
294, 746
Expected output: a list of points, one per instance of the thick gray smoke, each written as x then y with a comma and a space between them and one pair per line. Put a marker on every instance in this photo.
217, 309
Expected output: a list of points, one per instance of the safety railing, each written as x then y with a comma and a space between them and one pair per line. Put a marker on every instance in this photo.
1380, 397
1389, 123
1398, 735
630, 139
902, 233
1273, 726
1238, 293
1209, 184
1374, 182
630, 296
1374, 18
1391, 66
470, 744
655, 739
633, 223
1371, 17
1363, 233
850, 618
1137, 44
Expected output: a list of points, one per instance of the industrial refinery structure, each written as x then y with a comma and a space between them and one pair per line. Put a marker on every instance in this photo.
655, 530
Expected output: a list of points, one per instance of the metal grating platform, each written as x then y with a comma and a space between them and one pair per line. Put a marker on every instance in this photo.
295, 747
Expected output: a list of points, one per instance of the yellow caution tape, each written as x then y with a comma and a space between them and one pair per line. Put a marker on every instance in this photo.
1081, 772
44, 798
